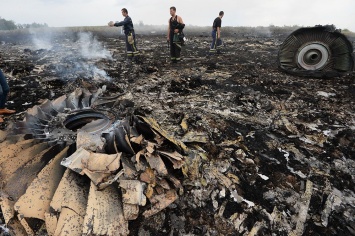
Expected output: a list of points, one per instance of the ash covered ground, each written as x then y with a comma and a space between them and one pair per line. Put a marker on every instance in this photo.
279, 149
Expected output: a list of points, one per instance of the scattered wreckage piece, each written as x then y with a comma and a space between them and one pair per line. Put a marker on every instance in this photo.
36, 201
81, 170
3, 135
16, 185
161, 202
68, 206
97, 166
320, 51
104, 214
303, 207
155, 126
132, 197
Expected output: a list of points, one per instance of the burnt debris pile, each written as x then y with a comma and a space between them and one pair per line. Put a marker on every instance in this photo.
128, 163
222, 145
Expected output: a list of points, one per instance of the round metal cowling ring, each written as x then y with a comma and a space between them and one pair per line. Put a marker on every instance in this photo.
313, 56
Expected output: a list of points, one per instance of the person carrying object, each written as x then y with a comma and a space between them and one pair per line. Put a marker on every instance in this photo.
128, 29
216, 34
175, 35
4, 91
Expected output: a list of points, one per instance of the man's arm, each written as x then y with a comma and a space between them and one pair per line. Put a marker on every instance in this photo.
219, 24
180, 26
121, 23
168, 35
180, 20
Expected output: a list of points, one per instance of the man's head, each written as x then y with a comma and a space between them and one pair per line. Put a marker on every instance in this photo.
221, 14
124, 12
172, 11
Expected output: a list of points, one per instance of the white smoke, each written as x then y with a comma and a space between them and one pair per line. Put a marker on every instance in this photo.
41, 38
264, 31
90, 48
77, 58
89, 71
42, 44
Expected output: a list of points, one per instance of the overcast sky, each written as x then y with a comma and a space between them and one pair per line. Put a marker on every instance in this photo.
341, 13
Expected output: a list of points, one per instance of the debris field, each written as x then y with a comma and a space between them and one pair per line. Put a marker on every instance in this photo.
214, 145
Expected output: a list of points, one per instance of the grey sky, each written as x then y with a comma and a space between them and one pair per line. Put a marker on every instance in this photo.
194, 12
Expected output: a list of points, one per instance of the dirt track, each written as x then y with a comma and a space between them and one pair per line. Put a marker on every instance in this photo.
270, 134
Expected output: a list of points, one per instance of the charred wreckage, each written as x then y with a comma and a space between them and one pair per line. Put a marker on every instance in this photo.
320, 51
76, 166
67, 132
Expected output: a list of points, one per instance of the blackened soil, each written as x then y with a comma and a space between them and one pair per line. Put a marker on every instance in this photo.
260, 121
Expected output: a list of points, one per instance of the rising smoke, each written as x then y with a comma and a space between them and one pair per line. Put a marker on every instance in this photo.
77, 59
90, 48
41, 39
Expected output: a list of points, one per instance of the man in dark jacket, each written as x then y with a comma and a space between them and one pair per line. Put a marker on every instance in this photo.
216, 34
128, 29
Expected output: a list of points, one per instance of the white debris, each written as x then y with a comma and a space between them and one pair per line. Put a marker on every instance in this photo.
327, 132
264, 177
311, 126
236, 197
222, 193
286, 153
299, 173
250, 134
306, 140
214, 201
334, 200
325, 94
134, 192
239, 199
250, 204
330, 133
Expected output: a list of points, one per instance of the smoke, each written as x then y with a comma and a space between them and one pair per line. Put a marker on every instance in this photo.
90, 48
78, 54
42, 44
41, 39
262, 31
86, 71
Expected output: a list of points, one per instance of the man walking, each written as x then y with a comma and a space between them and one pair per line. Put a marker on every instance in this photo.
216, 34
128, 29
4, 90
176, 25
